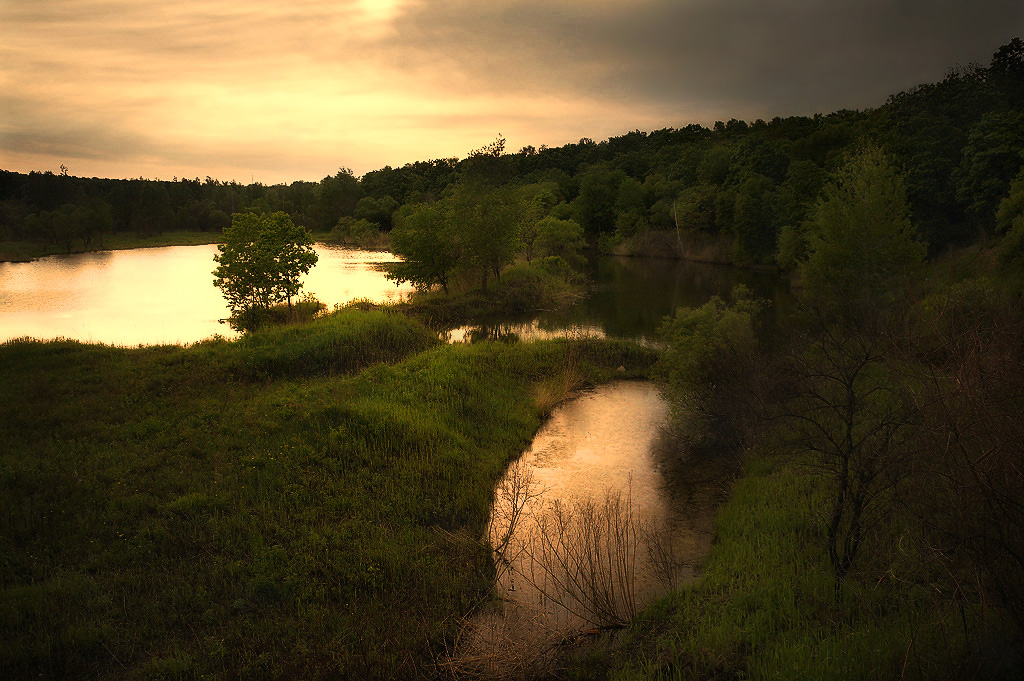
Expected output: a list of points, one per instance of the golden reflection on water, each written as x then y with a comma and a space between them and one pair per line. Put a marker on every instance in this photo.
599, 444
153, 296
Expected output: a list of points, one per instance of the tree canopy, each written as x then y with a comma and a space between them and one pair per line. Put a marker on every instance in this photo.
260, 264
863, 247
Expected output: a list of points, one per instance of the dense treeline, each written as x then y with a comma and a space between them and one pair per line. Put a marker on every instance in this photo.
879, 522
878, 531
748, 185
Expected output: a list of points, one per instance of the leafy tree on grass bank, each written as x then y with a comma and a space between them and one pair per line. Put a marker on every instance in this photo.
259, 265
423, 236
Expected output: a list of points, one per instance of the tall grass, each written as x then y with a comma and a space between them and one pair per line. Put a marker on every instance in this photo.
765, 606
257, 508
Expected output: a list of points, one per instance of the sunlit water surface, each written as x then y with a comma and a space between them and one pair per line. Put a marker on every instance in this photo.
604, 500
151, 296
594, 479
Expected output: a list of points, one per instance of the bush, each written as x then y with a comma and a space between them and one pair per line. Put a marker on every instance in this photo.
337, 344
708, 366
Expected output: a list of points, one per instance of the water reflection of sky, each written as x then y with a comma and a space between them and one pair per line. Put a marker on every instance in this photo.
597, 444
155, 295
630, 298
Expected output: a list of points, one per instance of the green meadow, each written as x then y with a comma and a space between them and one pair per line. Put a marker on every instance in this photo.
306, 502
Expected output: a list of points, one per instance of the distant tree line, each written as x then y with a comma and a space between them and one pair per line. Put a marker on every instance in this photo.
959, 142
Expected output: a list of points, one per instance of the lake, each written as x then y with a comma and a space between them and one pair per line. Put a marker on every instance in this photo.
150, 296
166, 295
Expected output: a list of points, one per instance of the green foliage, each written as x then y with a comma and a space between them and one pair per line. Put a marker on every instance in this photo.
429, 245
792, 247
863, 247
704, 370
161, 519
260, 263
488, 220
336, 196
1011, 208
379, 212
1010, 219
696, 208
764, 608
545, 284
798, 193
475, 229
991, 158
355, 232
631, 208
753, 219
715, 167
541, 286
341, 343
539, 201
560, 238
599, 191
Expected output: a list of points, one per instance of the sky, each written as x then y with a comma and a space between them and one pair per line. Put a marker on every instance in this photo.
276, 91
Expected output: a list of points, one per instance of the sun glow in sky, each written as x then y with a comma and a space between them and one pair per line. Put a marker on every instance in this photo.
281, 91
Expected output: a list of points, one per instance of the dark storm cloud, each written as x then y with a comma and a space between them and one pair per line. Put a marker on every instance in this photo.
289, 90
726, 55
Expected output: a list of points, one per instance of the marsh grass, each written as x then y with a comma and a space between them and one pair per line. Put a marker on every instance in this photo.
289, 505
765, 605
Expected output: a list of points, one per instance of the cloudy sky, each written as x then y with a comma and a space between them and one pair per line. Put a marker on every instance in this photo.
283, 90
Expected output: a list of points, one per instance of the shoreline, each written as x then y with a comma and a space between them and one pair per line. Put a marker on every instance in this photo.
26, 251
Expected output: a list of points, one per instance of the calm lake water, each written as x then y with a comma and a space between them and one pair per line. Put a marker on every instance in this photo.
166, 295
152, 296
630, 298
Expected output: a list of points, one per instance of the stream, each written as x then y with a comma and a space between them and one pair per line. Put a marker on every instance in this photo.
602, 514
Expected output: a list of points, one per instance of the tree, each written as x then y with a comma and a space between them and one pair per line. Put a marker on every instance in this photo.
709, 368
490, 221
753, 219
1010, 220
539, 200
335, 197
423, 236
631, 208
595, 205
379, 211
260, 263
991, 158
863, 247
560, 238
848, 413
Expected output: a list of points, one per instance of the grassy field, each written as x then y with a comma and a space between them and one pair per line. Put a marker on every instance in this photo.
304, 503
765, 607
